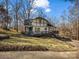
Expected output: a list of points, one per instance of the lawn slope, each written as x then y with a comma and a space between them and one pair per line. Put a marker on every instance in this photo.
34, 44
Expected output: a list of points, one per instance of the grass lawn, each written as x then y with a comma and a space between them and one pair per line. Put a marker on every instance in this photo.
10, 32
33, 43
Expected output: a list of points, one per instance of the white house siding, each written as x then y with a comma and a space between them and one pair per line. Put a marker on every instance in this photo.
42, 29
40, 26
37, 23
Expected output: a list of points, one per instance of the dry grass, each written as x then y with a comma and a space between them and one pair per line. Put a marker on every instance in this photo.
34, 43
10, 32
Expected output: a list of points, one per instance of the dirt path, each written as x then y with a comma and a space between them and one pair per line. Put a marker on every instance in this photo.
38, 55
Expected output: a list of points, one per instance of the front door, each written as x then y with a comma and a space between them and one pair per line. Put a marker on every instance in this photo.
30, 30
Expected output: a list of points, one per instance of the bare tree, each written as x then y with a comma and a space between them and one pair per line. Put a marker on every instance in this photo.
73, 19
28, 13
15, 12
4, 12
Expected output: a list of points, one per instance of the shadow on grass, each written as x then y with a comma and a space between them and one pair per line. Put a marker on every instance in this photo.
23, 48
4, 36
61, 37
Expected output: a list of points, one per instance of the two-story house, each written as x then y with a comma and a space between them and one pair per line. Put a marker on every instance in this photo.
39, 25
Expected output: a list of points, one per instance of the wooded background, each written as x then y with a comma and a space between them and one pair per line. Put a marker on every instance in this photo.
13, 16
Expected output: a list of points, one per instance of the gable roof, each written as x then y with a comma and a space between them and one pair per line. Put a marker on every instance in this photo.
49, 24
28, 22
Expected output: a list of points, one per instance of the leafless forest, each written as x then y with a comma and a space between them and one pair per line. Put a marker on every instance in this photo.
15, 16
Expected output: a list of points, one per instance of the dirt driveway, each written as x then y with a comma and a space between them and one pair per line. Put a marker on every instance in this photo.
38, 55
41, 55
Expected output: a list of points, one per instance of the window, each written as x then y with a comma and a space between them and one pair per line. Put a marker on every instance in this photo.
45, 29
37, 29
44, 23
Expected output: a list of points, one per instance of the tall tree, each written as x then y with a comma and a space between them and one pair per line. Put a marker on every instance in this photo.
28, 13
74, 19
